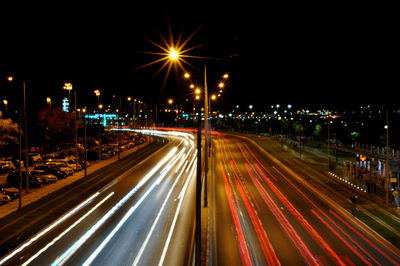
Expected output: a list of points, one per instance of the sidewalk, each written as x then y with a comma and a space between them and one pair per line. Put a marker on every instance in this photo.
35, 194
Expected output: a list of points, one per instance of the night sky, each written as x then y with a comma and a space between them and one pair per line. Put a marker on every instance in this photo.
274, 54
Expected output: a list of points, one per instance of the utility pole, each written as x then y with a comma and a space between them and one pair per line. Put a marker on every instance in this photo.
19, 163
205, 136
76, 134
387, 157
26, 139
156, 114
198, 194
84, 129
119, 134
329, 142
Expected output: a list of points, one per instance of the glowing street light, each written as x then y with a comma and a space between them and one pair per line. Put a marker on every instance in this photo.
221, 85
225, 76
173, 54
187, 75
48, 100
5, 103
170, 101
67, 86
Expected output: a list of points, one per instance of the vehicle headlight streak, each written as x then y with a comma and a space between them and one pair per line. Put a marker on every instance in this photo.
64, 257
48, 229
67, 230
172, 228
130, 212
139, 255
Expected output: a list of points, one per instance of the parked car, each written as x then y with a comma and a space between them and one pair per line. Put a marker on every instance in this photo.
6, 166
50, 155
12, 192
35, 157
4, 198
52, 169
63, 166
13, 179
46, 177
72, 163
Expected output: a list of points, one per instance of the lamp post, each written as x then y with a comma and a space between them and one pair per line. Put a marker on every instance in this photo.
5, 102
48, 100
68, 87
10, 79
387, 159
206, 140
99, 106
85, 138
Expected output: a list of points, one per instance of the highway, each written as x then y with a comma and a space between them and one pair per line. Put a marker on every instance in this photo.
264, 212
131, 220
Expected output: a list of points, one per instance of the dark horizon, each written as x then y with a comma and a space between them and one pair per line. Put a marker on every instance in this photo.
282, 55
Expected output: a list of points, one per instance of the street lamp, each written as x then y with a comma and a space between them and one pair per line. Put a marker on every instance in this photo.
10, 79
48, 100
97, 93
173, 54
68, 87
5, 104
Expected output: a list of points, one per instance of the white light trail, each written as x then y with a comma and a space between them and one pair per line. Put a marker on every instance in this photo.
46, 230
194, 157
139, 255
127, 215
172, 228
183, 160
67, 230
64, 257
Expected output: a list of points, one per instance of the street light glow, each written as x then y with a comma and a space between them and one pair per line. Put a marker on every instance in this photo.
173, 54
67, 86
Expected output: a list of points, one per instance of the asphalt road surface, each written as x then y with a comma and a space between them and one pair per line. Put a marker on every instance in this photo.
264, 213
133, 220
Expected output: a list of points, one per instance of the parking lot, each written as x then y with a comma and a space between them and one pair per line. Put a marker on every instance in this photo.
59, 165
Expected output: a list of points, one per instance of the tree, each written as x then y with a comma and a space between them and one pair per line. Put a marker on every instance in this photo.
8, 134
56, 123
318, 131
